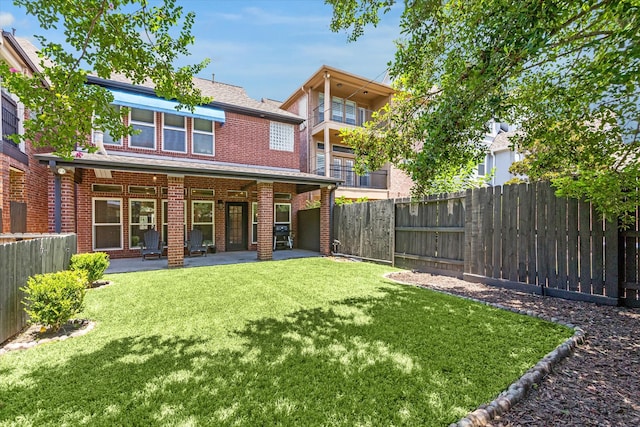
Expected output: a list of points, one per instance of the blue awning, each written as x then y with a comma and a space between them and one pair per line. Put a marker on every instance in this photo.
128, 99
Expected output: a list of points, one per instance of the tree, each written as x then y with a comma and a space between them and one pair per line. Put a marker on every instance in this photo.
106, 37
567, 72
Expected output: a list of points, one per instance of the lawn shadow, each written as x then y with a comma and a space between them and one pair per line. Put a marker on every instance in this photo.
389, 359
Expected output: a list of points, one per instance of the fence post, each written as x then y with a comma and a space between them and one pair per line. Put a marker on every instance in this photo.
392, 232
468, 239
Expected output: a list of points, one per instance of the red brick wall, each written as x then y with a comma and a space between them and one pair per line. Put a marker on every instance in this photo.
26, 184
241, 139
175, 213
399, 183
325, 221
265, 220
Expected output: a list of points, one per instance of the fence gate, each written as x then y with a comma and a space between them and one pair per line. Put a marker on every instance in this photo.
429, 234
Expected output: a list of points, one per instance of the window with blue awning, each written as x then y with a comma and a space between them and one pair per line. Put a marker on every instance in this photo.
128, 99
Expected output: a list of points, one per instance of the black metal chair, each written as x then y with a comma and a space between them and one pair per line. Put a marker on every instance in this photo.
151, 244
195, 243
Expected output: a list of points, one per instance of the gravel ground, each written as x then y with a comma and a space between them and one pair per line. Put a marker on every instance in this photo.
599, 385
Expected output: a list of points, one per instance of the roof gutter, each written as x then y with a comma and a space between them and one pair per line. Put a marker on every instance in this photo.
164, 169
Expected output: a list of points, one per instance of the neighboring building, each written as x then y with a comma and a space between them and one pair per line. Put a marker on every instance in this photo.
331, 100
230, 169
500, 155
23, 181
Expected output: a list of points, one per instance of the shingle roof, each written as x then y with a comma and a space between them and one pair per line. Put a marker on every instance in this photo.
163, 165
501, 142
224, 94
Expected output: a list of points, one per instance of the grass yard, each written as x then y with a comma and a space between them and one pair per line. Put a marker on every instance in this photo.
300, 342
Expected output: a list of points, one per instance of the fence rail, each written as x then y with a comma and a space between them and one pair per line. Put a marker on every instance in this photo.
22, 256
519, 236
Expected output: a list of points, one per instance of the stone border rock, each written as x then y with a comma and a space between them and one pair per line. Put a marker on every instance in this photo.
519, 389
13, 346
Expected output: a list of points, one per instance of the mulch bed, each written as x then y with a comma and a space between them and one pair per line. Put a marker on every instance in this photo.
599, 385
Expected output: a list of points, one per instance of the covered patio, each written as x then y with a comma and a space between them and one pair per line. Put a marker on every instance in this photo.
128, 265
90, 184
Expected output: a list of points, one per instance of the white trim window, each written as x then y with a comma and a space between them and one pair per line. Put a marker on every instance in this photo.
204, 139
106, 224
174, 133
254, 222
165, 220
282, 214
281, 137
143, 121
202, 218
142, 217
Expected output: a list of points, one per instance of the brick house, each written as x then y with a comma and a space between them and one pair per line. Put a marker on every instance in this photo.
331, 100
229, 169
23, 207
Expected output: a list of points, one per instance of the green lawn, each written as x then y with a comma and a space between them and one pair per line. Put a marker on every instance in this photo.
300, 342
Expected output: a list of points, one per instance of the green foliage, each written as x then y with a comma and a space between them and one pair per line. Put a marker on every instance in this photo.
342, 200
324, 344
94, 264
54, 298
127, 37
567, 72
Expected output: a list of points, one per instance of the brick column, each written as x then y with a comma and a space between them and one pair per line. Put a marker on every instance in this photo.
325, 221
68, 202
265, 221
175, 220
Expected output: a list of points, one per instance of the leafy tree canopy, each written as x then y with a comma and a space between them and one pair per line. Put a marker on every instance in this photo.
105, 37
566, 72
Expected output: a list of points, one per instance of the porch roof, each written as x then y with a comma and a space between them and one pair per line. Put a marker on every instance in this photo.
163, 165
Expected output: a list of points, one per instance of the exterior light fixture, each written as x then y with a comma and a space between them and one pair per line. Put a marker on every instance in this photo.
61, 171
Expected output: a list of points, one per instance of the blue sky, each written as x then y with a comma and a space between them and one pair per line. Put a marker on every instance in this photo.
268, 47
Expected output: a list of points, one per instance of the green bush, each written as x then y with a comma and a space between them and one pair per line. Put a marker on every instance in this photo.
94, 264
53, 298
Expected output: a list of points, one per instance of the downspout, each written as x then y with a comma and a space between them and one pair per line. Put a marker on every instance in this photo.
332, 196
57, 197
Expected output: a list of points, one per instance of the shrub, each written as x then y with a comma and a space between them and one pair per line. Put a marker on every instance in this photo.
94, 264
53, 298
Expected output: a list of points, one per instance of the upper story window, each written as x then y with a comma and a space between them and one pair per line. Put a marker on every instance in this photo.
281, 137
144, 122
203, 137
174, 133
10, 118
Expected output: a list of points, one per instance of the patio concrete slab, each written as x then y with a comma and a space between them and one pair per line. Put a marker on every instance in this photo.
127, 265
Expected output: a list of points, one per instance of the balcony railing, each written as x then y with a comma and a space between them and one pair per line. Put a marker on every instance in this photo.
374, 180
10, 120
340, 115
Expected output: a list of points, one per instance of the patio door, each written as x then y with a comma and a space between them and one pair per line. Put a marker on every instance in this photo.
237, 220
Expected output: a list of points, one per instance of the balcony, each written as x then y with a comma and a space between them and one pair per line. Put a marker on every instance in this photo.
10, 118
374, 180
339, 113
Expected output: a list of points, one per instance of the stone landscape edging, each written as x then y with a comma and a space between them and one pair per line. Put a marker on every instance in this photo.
13, 346
519, 389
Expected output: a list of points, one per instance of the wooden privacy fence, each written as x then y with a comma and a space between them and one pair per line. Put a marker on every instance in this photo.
18, 261
519, 236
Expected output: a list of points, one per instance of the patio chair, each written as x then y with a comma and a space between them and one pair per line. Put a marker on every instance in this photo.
151, 244
195, 243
